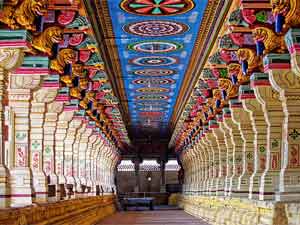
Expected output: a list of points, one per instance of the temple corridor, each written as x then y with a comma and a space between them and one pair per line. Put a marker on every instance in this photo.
187, 108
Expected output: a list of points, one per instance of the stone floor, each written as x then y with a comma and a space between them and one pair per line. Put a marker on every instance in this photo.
173, 217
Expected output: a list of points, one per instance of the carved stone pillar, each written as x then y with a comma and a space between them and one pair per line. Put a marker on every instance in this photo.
189, 170
238, 153
106, 168
114, 170
80, 132
251, 105
186, 170
229, 158
219, 135
244, 123
102, 165
60, 135
92, 140
214, 162
199, 167
37, 114
111, 171
101, 156
82, 157
206, 164
183, 161
273, 111
287, 83
21, 84
192, 171
9, 60
69, 154
96, 161
196, 169
199, 153
93, 152
50, 124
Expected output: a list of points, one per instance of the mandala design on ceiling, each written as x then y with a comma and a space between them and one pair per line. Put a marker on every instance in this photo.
156, 28
154, 61
154, 104
155, 108
152, 90
151, 114
152, 97
154, 72
153, 81
157, 7
155, 46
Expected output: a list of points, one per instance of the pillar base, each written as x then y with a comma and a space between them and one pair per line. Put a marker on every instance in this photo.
60, 192
242, 189
227, 185
71, 182
93, 189
53, 180
235, 187
78, 188
269, 182
254, 186
40, 187
212, 186
4, 187
21, 189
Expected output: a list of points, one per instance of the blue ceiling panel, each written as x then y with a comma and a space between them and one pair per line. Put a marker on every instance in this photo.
155, 40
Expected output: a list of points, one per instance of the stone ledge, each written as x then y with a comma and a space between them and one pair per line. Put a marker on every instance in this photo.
83, 211
234, 211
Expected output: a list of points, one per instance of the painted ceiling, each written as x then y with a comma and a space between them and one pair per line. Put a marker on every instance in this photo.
155, 41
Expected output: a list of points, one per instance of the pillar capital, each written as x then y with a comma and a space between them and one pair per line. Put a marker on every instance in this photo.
11, 58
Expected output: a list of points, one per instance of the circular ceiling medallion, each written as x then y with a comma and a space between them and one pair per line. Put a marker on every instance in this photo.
155, 46
154, 61
157, 7
153, 104
154, 72
151, 114
152, 90
154, 108
153, 81
152, 97
156, 28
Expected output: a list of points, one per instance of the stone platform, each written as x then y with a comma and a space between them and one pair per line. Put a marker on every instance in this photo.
83, 211
235, 211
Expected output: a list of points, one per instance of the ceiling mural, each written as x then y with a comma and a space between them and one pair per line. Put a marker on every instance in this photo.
155, 40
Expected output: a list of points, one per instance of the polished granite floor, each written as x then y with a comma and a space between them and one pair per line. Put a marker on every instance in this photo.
160, 217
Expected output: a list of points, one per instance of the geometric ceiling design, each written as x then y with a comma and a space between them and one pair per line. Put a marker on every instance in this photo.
155, 40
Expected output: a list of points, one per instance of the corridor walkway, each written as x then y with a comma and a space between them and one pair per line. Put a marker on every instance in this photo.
174, 217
